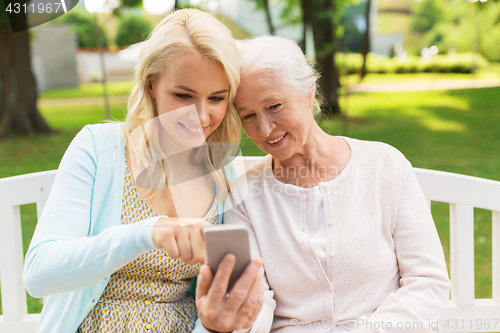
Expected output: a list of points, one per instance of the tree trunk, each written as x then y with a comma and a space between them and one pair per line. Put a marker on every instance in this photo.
306, 20
107, 112
18, 93
325, 46
366, 40
268, 17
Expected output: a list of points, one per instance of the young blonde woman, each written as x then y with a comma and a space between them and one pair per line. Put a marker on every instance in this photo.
104, 253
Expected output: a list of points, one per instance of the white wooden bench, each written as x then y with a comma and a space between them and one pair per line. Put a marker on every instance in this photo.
463, 313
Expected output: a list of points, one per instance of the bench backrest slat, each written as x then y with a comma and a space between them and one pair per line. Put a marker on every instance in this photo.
462, 248
495, 242
11, 262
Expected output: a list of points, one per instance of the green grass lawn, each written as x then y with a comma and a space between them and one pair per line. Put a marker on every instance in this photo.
116, 88
122, 88
487, 73
456, 131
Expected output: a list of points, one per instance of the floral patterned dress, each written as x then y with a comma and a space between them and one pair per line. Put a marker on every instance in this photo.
148, 294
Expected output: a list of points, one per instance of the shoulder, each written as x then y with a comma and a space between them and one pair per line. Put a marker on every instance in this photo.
379, 160
249, 172
100, 136
374, 152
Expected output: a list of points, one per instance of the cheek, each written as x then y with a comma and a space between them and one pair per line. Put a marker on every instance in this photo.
165, 104
218, 113
223, 109
249, 130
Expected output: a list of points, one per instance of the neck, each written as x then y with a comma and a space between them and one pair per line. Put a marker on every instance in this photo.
317, 148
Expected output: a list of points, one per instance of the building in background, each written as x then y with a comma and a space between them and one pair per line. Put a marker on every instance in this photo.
53, 54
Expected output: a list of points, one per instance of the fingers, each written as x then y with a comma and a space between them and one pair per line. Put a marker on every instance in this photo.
185, 242
198, 246
169, 243
242, 287
184, 245
203, 283
210, 293
241, 308
219, 284
250, 309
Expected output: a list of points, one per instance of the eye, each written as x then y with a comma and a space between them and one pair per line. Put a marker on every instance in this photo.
247, 117
217, 98
183, 96
275, 106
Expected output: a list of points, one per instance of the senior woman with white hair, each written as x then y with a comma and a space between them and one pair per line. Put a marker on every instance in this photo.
343, 228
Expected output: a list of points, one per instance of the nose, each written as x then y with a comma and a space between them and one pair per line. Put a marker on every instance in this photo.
201, 115
265, 126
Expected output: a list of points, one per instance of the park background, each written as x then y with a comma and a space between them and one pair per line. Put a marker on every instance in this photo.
431, 88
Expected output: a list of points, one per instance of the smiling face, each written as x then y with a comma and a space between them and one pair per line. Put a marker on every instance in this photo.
191, 97
274, 114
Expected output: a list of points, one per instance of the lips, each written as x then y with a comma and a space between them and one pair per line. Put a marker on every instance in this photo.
276, 140
194, 129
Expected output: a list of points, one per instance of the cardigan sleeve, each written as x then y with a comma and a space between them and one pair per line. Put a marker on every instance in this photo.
424, 283
62, 257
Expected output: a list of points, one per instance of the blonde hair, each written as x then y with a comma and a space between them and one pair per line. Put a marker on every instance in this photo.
186, 30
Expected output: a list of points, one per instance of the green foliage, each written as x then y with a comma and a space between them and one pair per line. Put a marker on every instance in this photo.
427, 14
132, 29
351, 37
459, 63
237, 31
187, 5
292, 12
84, 27
131, 3
460, 32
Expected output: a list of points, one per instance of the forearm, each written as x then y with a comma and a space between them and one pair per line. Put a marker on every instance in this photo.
60, 264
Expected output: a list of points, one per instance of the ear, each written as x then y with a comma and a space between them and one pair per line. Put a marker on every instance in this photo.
150, 89
311, 99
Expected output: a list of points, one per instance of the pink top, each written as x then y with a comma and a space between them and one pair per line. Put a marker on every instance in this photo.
383, 264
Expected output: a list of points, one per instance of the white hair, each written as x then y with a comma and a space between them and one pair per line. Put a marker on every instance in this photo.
280, 56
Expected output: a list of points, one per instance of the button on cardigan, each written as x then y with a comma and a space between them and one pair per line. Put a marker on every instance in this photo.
385, 263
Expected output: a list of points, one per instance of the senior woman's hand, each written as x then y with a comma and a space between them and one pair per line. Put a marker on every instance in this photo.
181, 241
238, 310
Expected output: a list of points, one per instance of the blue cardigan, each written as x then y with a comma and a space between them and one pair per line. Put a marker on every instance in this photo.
79, 241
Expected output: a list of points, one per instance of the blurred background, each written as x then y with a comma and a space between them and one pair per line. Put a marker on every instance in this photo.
423, 76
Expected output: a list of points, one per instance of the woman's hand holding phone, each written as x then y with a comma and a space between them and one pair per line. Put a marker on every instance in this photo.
241, 307
181, 241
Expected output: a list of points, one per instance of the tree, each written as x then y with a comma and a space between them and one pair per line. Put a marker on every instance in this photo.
268, 16
427, 14
264, 4
323, 16
366, 39
469, 27
132, 29
84, 26
18, 92
322, 13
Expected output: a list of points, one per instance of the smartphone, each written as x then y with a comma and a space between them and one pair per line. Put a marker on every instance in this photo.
228, 238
